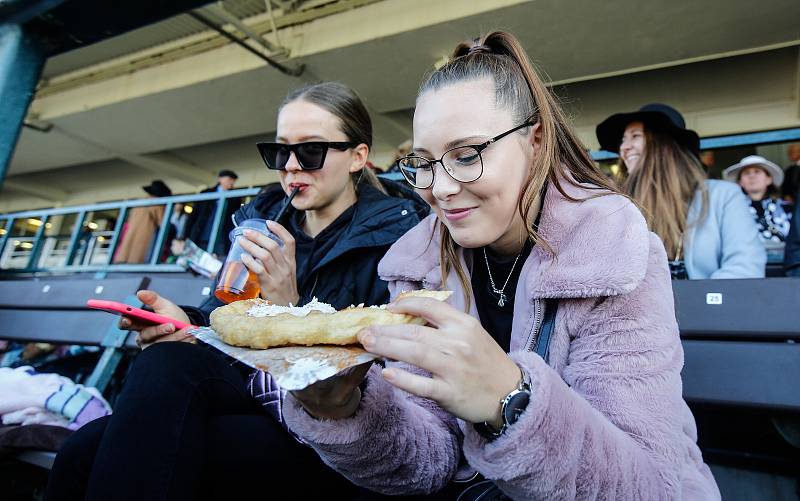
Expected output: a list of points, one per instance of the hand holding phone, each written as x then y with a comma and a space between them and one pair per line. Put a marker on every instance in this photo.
168, 322
139, 315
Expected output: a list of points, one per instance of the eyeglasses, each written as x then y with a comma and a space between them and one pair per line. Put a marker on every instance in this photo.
462, 163
310, 155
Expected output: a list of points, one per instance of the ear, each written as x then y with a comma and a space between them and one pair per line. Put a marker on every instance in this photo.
360, 155
535, 138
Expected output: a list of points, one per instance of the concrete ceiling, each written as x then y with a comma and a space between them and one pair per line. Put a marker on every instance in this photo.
572, 40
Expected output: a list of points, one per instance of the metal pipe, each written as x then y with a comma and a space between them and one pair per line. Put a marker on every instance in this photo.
22, 11
21, 62
37, 243
9, 228
123, 211
291, 71
212, 238
73, 240
121, 268
219, 10
272, 22
162, 232
143, 202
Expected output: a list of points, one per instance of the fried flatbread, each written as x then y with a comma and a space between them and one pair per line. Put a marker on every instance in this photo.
255, 323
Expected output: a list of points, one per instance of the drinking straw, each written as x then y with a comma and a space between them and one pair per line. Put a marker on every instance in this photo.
286, 205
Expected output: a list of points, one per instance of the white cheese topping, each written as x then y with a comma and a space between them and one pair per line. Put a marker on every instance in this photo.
270, 310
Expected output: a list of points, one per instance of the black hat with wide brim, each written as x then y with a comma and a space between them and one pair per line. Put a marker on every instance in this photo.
158, 189
655, 116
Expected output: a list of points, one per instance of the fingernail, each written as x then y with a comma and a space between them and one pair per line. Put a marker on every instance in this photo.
247, 233
169, 328
125, 322
388, 374
367, 338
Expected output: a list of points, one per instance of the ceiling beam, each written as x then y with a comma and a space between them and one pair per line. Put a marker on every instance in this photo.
167, 164
164, 164
37, 190
677, 62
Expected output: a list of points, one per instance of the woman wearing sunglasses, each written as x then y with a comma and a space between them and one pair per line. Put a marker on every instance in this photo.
554, 372
190, 424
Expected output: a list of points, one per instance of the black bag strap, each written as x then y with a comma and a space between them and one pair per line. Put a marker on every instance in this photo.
546, 330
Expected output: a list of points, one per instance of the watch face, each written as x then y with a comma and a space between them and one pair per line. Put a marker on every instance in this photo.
515, 407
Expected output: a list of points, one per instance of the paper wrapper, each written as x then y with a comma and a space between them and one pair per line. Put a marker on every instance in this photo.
292, 367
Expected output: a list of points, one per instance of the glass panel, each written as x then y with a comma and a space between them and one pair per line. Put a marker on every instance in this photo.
135, 245
56, 240
96, 237
18, 249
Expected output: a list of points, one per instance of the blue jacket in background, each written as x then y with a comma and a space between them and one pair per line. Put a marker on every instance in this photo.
725, 244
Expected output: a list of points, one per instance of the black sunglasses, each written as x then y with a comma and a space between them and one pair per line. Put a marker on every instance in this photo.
310, 155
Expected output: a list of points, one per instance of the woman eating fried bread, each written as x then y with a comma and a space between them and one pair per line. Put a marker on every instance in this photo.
189, 422
554, 372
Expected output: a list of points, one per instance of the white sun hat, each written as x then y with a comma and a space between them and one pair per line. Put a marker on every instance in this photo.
732, 172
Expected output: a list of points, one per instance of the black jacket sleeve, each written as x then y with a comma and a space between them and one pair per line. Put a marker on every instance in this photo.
200, 315
791, 259
191, 220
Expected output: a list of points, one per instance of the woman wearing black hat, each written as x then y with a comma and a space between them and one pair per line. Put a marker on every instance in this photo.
141, 227
704, 223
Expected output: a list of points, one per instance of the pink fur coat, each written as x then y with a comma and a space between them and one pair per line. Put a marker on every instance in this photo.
606, 418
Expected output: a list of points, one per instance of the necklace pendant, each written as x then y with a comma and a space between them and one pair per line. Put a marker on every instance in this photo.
502, 301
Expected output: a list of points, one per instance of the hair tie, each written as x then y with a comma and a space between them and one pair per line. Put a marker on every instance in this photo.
476, 49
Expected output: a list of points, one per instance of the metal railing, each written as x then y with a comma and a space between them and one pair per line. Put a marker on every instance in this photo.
86, 251
83, 251
731, 141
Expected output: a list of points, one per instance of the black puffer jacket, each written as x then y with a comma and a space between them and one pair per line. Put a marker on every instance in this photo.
347, 273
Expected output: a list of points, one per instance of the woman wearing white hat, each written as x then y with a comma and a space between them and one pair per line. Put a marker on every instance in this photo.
760, 180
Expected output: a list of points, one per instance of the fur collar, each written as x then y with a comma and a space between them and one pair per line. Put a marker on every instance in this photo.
601, 248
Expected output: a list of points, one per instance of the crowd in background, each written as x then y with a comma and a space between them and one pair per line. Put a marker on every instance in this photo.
710, 229
639, 435
139, 232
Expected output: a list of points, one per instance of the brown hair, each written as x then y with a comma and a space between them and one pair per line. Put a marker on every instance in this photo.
664, 186
343, 103
500, 57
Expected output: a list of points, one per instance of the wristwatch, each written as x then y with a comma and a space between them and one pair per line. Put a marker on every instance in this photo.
511, 408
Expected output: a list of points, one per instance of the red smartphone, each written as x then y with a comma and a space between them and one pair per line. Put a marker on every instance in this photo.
137, 313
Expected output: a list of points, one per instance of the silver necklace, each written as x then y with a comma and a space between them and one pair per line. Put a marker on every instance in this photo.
502, 301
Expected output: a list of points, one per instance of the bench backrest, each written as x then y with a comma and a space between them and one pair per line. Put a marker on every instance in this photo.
54, 309
740, 341
756, 309
739, 336
182, 289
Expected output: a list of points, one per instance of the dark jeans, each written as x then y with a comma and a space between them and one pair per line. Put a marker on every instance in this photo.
185, 427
